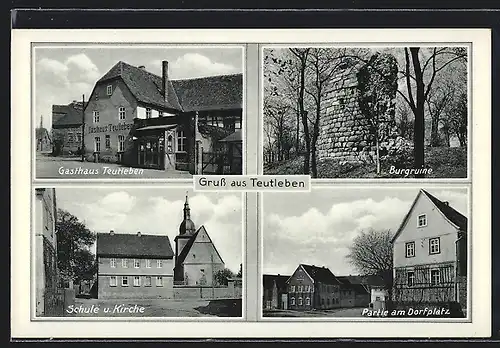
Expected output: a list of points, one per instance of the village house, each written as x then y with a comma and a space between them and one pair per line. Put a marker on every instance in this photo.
353, 293
134, 265
430, 254
312, 287
67, 128
137, 118
48, 298
196, 257
275, 294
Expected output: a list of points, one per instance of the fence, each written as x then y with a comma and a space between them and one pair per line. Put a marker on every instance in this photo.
424, 284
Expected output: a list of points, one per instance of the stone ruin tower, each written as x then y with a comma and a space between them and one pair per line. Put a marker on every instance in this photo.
345, 133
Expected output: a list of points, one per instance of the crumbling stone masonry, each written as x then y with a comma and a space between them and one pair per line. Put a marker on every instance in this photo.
344, 131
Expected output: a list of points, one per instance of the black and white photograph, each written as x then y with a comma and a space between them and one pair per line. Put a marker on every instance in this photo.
366, 112
371, 253
138, 111
138, 252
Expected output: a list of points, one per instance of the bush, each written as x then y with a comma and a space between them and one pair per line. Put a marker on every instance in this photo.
397, 152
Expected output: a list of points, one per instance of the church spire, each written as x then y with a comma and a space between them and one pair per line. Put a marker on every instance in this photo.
187, 210
187, 226
41, 121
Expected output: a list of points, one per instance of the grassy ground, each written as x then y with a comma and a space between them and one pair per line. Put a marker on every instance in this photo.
157, 308
446, 162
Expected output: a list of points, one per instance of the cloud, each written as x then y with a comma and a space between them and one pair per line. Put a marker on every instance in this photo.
82, 68
192, 65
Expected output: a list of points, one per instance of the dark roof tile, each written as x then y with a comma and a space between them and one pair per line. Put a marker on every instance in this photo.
321, 274
450, 213
269, 279
132, 245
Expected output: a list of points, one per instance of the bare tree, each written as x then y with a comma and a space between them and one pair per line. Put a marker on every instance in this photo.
371, 254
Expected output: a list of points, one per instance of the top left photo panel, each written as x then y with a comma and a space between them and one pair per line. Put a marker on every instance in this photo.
137, 111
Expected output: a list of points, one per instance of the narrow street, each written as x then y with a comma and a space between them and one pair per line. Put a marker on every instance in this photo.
48, 167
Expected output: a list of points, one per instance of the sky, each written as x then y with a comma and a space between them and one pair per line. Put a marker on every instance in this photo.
317, 228
159, 211
63, 74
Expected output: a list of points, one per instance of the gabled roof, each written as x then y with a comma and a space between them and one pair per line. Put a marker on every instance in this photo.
269, 279
320, 274
233, 137
145, 86
132, 245
350, 282
222, 92
369, 280
207, 93
451, 214
189, 244
73, 115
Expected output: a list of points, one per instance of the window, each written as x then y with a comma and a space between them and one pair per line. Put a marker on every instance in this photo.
112, 263
95, 115
137, 281
121, 113
97, 144
237, 123
323, 301
434, 246
435, 277
300, 288
79, 137
137, 263
181, 141
410, 249
124, 281
327, 301
112, 281
147, 281
422, 220
292, 288
107, 141
300, 301
161, 113
159, 263
121, 143
71, 138
148, 112
410, 278
109, 90
124, 263
292, 301
159, 281
378, 298
308, 301
148, 263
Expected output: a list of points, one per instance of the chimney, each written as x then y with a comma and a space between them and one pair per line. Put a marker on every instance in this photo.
112, 233
446, 203
138, 234
164, 77
142, 67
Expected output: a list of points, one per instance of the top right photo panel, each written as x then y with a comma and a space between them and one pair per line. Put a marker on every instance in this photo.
366, 112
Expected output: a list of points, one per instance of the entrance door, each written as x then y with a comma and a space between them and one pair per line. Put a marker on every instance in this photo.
169, 151
149, 153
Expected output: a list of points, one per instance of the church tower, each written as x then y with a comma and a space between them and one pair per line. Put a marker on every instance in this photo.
186, 230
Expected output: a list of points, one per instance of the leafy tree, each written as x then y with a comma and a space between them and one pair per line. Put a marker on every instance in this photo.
221, 277
371, 254
75, 261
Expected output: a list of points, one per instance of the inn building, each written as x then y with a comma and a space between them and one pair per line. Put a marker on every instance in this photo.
140, 119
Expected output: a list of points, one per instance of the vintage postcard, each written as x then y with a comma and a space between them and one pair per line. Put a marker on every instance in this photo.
251, 183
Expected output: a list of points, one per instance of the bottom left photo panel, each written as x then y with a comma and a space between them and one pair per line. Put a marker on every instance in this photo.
136, 252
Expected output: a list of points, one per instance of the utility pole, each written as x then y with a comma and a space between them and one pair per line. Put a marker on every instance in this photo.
83, 128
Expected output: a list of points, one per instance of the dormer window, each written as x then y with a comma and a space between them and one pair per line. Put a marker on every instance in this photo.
422, 220
109, 90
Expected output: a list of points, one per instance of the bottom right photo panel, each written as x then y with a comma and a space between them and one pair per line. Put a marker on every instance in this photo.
364, 252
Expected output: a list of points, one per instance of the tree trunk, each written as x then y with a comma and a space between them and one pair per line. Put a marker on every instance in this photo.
419, 129
377, 153
434, 130
297, 135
